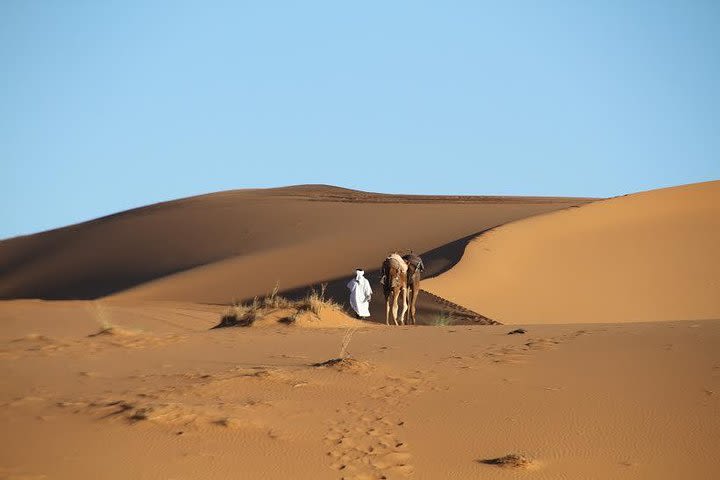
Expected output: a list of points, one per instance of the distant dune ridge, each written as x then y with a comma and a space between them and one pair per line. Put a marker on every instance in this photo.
238, 244
644, 257
641, 257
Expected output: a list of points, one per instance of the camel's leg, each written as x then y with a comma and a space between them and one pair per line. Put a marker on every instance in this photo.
409, 303
413, 301
404, 314
396, 294
387, 310
405, 304
417, 294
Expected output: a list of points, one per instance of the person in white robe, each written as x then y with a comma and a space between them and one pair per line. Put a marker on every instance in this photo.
360, 294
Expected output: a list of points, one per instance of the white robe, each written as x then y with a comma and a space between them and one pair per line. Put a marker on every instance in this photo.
360, 293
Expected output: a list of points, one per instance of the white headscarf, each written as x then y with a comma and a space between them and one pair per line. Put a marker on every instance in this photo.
358, 275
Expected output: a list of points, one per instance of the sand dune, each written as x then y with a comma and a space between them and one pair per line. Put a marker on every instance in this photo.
239, 244
644, 257
174, 399
140, 383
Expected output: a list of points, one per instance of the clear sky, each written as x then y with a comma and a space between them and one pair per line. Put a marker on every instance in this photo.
109, 105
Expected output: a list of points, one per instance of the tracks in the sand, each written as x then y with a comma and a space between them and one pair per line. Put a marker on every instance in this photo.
367, 441
460, 311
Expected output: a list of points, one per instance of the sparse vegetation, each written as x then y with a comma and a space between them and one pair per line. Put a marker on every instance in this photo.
444, 319
240, 314
140, 414
517, 331
344, 361
101, 315
245, 314
106, 326
513, 460
346, 342
290, 319
315, 301
273, 300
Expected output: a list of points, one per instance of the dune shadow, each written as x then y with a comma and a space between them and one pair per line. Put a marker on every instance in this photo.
88, 287
431, 310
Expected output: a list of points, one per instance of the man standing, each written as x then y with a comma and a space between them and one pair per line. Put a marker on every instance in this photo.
360, 294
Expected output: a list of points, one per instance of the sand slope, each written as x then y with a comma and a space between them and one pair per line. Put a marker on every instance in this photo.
173, 399
649, 256
238, 244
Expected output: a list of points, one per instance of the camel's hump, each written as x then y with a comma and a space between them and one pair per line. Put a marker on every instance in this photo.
398, 260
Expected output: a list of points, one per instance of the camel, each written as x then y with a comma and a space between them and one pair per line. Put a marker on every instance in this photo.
415, 269
394, 282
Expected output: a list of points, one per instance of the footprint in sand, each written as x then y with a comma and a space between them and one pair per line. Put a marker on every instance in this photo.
367, 442
517, 354
368, 446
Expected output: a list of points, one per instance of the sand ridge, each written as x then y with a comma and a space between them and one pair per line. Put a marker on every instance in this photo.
643, 257
239, 244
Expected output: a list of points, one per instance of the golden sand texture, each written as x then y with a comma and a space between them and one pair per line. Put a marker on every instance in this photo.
644, 257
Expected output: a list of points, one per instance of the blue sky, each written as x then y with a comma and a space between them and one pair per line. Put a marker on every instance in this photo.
109, 105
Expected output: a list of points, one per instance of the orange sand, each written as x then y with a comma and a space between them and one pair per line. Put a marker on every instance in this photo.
138, 383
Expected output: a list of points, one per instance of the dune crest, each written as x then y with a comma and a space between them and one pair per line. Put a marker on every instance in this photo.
238, 244
650, 256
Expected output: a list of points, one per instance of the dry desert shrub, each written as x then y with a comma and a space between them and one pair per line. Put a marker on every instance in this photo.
444, 319
106, 326
241, 314
273, 300
346, 342
513, 460
245, 314
315, 301
344, 361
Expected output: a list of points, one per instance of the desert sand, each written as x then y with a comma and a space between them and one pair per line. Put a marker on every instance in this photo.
235, 245
111, 366
644, 257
